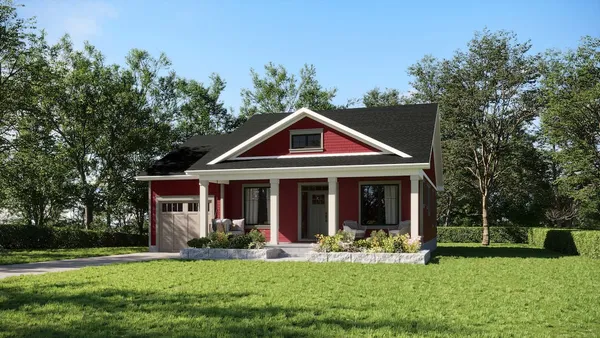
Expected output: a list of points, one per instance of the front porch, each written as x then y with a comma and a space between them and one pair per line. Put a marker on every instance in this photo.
294, 210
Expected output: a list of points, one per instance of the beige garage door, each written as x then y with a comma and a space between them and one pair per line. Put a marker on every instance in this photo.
178, 223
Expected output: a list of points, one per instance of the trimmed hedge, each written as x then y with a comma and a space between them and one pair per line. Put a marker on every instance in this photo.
33, 237
570, 242
474, 235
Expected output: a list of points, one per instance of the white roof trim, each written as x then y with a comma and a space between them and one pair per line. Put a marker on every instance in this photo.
164, 177
296, 116
370, 170
436, 147
305, 156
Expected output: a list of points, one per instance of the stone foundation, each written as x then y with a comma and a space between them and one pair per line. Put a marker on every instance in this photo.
421, 257
208, 253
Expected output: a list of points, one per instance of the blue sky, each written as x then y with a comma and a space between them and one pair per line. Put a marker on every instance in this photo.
355, 45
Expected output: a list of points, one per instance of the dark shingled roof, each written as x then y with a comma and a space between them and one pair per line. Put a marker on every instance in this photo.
408, 128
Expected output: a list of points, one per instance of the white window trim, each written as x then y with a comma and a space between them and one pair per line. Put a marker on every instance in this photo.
296, 116
295, 132
379, 226
253, 185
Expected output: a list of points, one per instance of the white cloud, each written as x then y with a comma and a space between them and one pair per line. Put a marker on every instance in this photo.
82, 20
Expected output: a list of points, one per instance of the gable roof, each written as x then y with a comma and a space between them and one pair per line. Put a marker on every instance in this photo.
408, 129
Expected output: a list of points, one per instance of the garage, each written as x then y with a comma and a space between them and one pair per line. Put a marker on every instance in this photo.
179, 222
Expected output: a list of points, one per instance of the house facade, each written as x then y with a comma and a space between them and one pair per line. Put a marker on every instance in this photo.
295, 175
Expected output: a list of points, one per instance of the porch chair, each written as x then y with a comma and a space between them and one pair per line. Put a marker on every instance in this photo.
402, 229
354, 228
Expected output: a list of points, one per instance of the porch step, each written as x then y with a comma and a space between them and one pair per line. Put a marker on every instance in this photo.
292, 249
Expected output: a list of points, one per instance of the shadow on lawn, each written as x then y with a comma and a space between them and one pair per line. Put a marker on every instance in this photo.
491, 252
120, 312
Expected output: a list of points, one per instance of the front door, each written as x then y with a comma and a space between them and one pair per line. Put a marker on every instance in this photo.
317, 213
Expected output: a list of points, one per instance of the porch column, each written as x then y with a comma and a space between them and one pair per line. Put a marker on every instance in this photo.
203, 208
332, 206
274, 211
222, 201
415, 205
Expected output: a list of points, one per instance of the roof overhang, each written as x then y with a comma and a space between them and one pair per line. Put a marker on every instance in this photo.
296, 116
375, 170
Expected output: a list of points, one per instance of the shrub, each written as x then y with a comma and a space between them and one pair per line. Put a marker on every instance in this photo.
408, 244
329, 243
258, 239
14, 237
253, 240
379, 242
198, 242
473, 234
218, 240
240, 242
571, 242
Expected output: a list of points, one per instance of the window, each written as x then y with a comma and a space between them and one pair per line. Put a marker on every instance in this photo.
193, 207
379, 204
172, 207
306, 141
256, 205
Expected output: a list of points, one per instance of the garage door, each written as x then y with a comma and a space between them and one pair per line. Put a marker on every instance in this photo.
179, 222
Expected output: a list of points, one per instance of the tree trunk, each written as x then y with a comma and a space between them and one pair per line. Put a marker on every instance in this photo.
89, 209
485, 238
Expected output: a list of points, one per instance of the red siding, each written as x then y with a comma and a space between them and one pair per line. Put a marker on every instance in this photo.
334, 142
429, 216
177, 188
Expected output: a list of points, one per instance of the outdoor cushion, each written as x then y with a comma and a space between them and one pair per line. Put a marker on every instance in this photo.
238, 225
218, 225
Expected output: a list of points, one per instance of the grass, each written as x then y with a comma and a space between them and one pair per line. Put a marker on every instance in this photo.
30, 256
465, 291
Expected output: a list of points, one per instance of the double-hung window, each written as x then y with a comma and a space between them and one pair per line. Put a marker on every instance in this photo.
256, 205
379, 204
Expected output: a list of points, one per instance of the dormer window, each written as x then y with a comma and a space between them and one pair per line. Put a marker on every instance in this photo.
305, 140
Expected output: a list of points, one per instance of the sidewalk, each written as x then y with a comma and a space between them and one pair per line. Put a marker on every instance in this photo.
78, 263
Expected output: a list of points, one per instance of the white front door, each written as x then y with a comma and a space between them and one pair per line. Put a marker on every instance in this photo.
317, 213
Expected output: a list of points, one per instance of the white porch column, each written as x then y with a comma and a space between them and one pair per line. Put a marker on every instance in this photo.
203, 208
222, 201
332, 206
274, 211
415, 205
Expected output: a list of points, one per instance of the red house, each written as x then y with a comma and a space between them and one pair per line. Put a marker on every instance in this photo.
295, 175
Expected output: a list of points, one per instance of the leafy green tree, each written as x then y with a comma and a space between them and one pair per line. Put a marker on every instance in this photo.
486, 97
39, 181
377, 98
571, 123
279, 92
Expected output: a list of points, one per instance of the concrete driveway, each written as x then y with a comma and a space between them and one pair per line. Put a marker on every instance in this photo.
78, 263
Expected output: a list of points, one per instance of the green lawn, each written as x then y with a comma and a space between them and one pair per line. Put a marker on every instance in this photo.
30, 256
465, 291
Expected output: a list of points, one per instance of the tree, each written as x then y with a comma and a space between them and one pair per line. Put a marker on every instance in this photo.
377, 98
485, 97
279, 92
571, 122
39, 179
